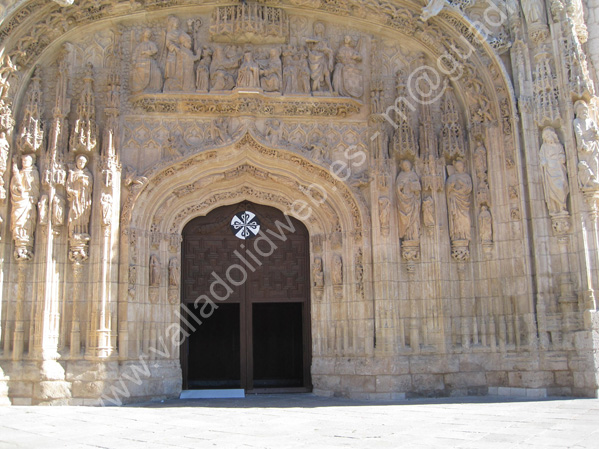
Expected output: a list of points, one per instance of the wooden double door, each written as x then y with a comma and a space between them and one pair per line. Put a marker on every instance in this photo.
245, 278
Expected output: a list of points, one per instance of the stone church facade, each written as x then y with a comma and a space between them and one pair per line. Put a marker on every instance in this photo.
441, 159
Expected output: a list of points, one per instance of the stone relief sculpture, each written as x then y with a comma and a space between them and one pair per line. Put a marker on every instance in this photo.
272, 73
480, 161
174, 272
553, 168
219, 130
320, 58
155, 273
58, 212
172, 46
249, 72
347, 77
223, 69
24, 195
428, 212
79, 188
272, 131
485, 226
534, 12
317, 274
384, 215
106, 203
458, 190
186, 60
203, 71
587, 144
337, 272
409, 200
145, 73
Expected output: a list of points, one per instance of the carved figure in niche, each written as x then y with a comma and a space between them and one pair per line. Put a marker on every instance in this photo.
337, 273
587, 144
300, 59
219, 130
553, 169
203, 71
24, 195
534, 11
320, 58
485, 225
317, 273
347, 78
384, 212
4, 150
272, 73
58, 211
249, 72
409, 202
459, 190
42, 208
155, 274
185, 62
172, 45
273, 131
79, 187
223, 69
106, 202
289, 70
318, 147
145, 73
480, 160
428, 211
174, 272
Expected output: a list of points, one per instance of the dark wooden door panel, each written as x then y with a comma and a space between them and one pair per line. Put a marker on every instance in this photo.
281, 279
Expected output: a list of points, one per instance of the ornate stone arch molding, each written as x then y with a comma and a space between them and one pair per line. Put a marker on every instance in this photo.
248, 170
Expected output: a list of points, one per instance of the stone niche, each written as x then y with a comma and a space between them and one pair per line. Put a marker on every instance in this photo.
452, 235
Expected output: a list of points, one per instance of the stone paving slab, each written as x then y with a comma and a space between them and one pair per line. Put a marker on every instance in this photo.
301, 421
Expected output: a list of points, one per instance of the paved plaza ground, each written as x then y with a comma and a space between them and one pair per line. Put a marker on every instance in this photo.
298, 421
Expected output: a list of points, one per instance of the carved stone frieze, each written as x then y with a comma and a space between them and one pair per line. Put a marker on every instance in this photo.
239, 104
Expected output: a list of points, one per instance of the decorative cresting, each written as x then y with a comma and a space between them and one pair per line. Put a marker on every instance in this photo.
249, 22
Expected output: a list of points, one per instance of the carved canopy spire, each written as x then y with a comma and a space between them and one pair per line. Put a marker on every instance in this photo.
31, 136
84, 137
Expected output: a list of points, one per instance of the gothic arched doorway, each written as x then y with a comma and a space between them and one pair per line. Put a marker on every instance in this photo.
245, 295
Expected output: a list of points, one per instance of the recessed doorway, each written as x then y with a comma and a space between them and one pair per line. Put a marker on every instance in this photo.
246, 268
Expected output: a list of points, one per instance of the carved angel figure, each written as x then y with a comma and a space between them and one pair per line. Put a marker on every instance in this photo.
145, 73
459, 190
553, 166
24, 195
79, 187
587, 144
409, 201
347, 78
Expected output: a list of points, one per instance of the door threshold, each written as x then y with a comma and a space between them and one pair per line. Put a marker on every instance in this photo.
213, 394
281, 390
